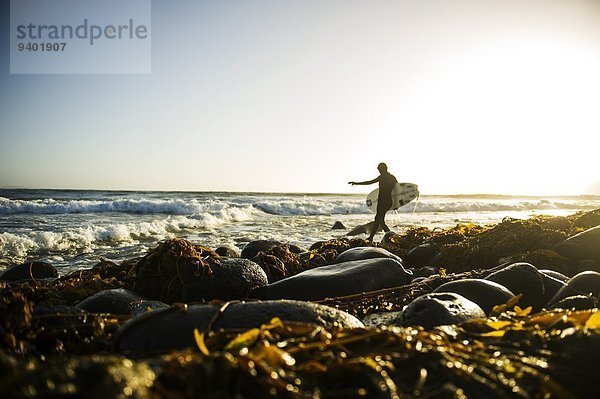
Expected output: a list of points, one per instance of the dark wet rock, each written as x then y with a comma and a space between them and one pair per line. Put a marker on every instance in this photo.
115, 301
228, 251
522, 278
425, 271
382, 319
254, 247
338, 226
577, 302
582, 246
485, 293
589, 219
338, 279
555, 274
390, 238
231, 278
553, 281
421, 255
584, 283
360, 253
30, 270
172, 329
43, 310
146, 306
362, 229
438, 309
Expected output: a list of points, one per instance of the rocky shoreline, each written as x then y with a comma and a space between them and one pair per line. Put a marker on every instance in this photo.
509, 310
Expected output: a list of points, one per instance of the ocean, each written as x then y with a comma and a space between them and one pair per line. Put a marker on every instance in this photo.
73, 229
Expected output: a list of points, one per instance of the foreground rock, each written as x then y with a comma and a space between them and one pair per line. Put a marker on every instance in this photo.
116, 301
30, 271
553, 281
361, 253
421, 255
484, 293
582, 246
584, 283
438, 309
522, 278
228, 251
173, 329
178, 271
338, 279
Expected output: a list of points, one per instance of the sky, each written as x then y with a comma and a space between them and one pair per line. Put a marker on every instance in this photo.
457, 96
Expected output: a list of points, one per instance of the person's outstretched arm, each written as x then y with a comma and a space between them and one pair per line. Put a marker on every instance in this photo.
364, 183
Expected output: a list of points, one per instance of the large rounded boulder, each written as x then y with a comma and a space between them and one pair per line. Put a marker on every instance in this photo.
115, 301
522, 278
421, 255
360, 253
484, 293
30, 271
338, 279
173, 328
437, 309
584, 283
582, 246
553, 281
179, 271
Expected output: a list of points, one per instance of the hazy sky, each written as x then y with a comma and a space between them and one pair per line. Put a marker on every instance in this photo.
457, 96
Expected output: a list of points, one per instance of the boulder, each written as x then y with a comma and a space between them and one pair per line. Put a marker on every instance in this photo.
338, 279
438, 309
178, 271
147, 305
115, 301
584, 283
30, 271
425, 271
577, 302
421, 255
582, 246
522, 278
484, 293
338, 226
553, 281
173, 328
382, 319
360, 253
228, 251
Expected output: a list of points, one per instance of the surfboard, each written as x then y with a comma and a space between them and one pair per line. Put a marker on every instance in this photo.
402, 194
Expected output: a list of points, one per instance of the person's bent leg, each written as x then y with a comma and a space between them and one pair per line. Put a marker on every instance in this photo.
376, 225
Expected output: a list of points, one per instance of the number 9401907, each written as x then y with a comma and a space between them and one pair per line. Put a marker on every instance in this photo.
41, 46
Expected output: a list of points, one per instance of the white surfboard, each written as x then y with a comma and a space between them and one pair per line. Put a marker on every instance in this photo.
402, 194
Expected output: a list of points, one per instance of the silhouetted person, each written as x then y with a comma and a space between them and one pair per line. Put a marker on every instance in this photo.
387, 181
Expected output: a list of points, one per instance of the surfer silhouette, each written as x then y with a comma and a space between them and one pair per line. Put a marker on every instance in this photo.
386, 181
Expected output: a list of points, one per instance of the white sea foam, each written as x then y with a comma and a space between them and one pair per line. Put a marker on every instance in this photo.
124, 205
90, 237
238, 208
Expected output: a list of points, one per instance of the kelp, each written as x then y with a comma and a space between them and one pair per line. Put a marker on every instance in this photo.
279, 262
514, 354
173, 270
400, 244
394, 299
509, 238
509, 356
